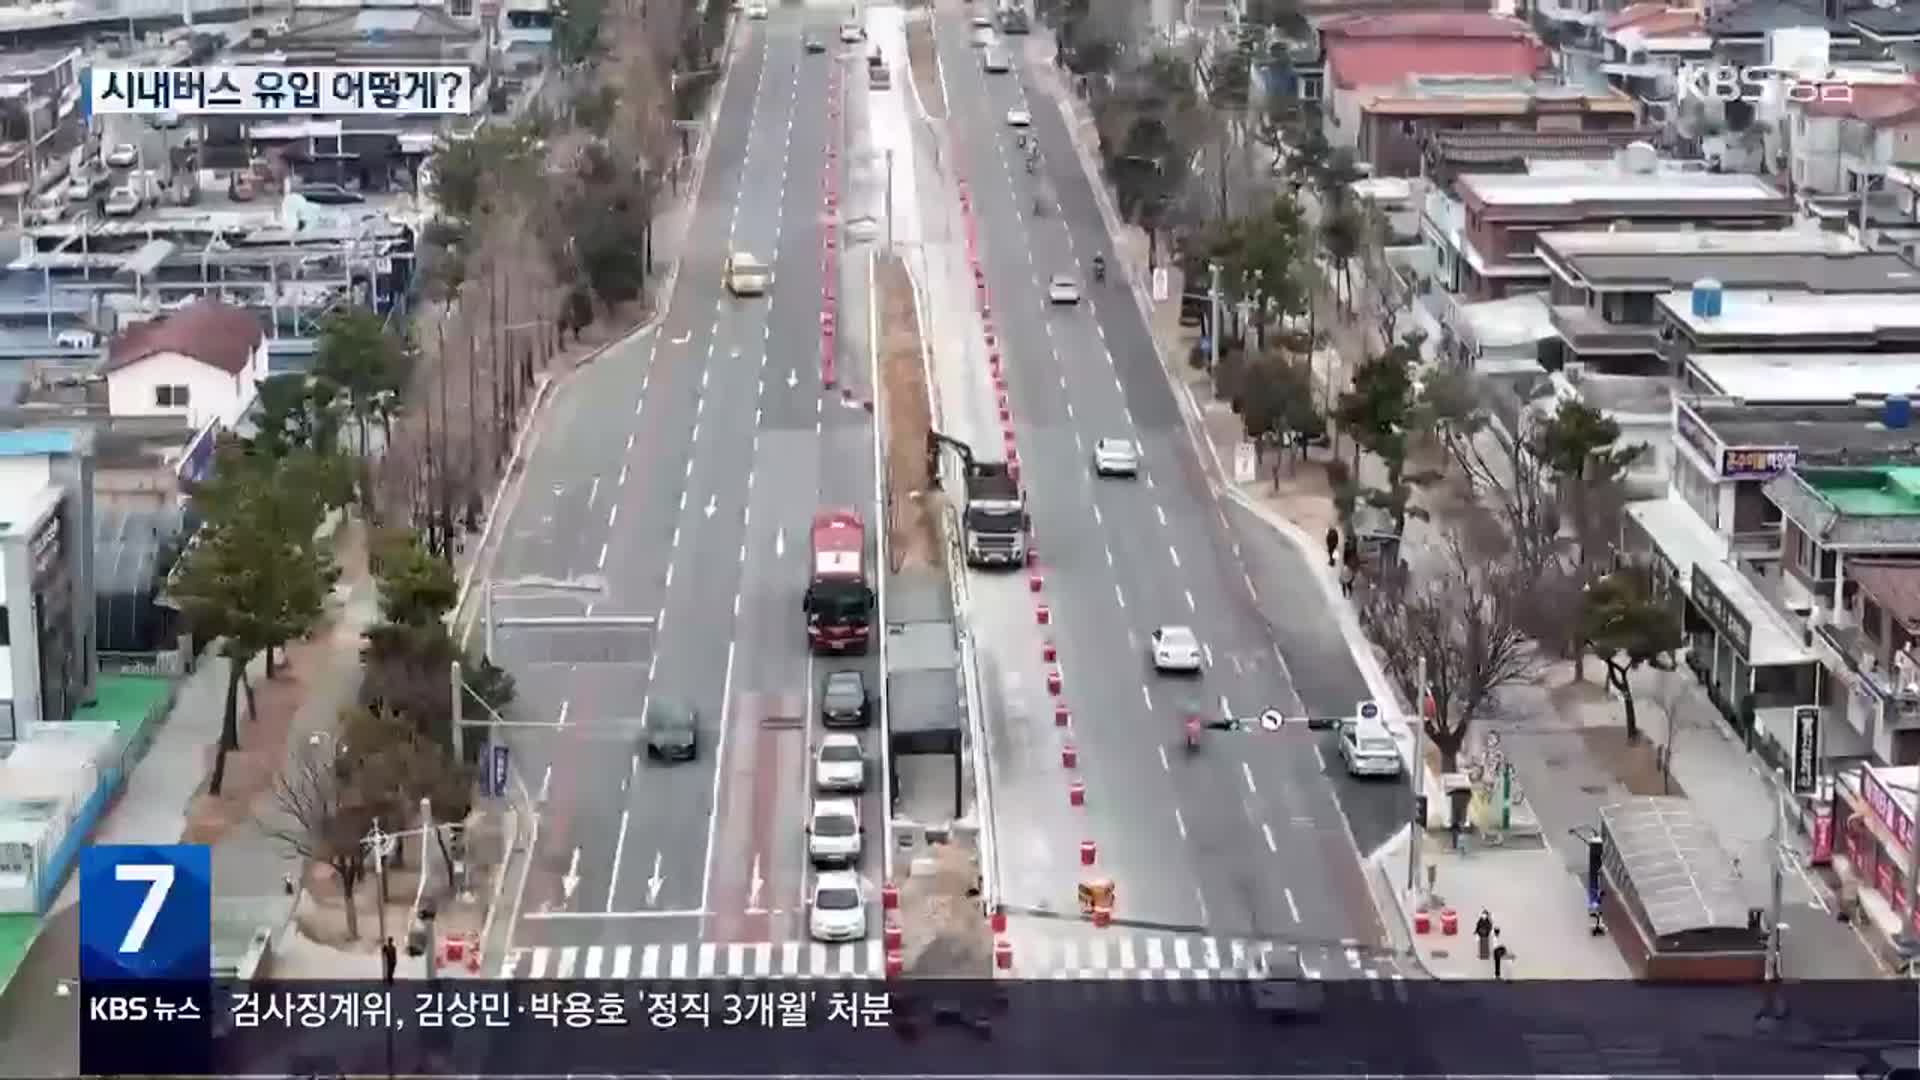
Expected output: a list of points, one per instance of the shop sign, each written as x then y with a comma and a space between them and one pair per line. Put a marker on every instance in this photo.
1757, 462
1896, 821
1822, 854
1696, 435
45, 548
1719, 611
1806, 749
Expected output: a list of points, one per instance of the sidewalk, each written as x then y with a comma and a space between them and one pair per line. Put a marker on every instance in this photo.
1561, 740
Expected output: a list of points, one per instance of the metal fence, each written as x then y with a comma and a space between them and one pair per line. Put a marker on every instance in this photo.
167, 664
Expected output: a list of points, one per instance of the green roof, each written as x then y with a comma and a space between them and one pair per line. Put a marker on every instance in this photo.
1891, 491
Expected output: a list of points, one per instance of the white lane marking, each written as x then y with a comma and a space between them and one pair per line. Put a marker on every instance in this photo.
1161, 511
593, 492
619, 850
1118, 595
1246, 771
1096, 516
1190, 604
1109, 556
1267, 831
719, 770
1207, 651
1251, 591
676, 536
1147, 695
1174, 552
623, 472
601, 562
1165, 765
613, 514
564, 706
669, 583
1180, 823
1293, 909
623, 468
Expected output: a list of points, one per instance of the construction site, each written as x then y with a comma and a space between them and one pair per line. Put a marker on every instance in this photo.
935, 833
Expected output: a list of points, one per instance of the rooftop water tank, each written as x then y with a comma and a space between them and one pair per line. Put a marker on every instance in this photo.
1898, 412
1707, 296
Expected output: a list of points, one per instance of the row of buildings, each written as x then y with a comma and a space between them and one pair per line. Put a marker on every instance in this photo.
129, 341
1735, 283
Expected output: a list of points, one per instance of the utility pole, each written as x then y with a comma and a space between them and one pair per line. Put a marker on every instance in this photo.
889, 200
1213, 323
1417, 827
376, 842
1776, 881
453, 718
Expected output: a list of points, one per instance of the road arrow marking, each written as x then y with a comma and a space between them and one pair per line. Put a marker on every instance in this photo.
780, 544
754, 885
793, 378
572, 880
683, 338
711, 508
654, 882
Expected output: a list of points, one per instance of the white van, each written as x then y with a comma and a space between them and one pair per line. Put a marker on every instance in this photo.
834, 833
76, 339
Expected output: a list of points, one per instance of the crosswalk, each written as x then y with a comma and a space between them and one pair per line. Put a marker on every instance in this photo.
699, 960
1040, 952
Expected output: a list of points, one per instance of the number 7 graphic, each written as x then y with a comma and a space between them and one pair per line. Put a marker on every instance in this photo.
159, 880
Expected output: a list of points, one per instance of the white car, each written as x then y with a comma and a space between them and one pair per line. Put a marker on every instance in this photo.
982, 20
123, 155
1019, 117
995, 62
839, 764
1116, 457
756, 11
123, 202
1367, 749
1063, 289
851, 34
47, 208
837, 911
81, 187
1175, 648
834, 833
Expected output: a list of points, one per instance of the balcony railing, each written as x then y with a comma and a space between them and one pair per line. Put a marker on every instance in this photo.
1588, 333
1759, 543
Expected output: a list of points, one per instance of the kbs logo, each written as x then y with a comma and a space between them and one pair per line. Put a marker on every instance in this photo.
1727, 82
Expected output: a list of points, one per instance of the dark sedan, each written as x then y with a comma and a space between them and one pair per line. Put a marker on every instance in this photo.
844, 701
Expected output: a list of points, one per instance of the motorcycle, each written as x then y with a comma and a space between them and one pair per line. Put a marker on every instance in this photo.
1099, 268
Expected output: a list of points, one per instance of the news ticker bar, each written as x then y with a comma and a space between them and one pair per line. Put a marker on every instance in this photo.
444, 90
988, 1027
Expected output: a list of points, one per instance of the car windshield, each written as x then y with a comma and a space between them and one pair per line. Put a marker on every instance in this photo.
832, 825
1177, 639
1116, 448
836, 900
666, 718
842, 687
1378, 745
839, 752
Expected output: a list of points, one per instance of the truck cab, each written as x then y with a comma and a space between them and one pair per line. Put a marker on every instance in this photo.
994, 521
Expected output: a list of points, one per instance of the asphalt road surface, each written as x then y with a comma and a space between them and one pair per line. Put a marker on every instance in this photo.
1244, 838
684, 469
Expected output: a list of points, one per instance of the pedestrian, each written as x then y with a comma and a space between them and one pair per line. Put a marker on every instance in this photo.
1350, 552
1499, 956
389, 961
1333, 543
1483, 931
1346, 580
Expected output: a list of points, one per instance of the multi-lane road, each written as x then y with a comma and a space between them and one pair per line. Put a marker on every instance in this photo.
679, 475
1246, 840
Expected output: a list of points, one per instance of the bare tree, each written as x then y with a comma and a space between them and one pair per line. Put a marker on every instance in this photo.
324, 817
1384, 295
1466, 626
